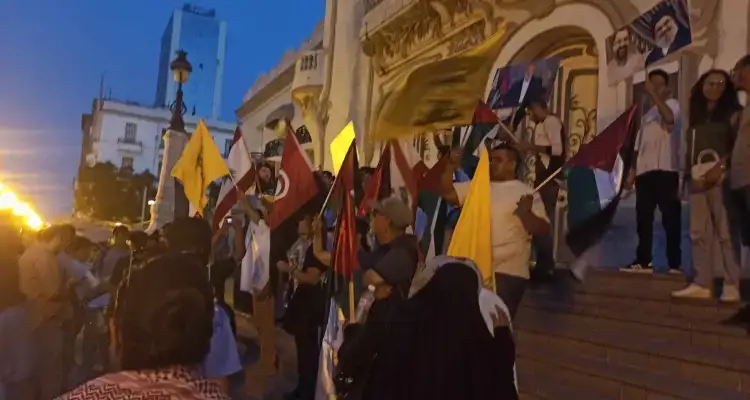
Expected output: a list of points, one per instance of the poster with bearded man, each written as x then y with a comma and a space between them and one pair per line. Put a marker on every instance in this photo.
651, 38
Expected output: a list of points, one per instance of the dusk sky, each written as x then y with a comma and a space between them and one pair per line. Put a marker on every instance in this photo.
55, 52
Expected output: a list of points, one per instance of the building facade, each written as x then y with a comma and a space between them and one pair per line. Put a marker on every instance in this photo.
273, 90
367, 45
130, 135
203, 36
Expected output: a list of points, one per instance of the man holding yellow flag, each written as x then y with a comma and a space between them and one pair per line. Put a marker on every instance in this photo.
200, 164
501, 249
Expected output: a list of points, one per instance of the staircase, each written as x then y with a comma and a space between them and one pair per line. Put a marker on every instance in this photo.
619, 336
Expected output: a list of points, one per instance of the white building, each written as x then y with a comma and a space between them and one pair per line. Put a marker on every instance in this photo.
272, 91
368, 45
130, 135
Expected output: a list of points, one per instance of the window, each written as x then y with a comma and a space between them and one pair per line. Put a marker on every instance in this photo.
227, 147
127, 162
130, 131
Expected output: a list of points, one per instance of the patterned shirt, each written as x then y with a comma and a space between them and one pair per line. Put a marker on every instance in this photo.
176, 383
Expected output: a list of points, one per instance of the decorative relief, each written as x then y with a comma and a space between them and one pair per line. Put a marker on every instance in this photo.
468, 38
583, 118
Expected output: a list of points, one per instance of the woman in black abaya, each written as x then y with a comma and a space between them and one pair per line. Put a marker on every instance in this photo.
455, 354
439, 345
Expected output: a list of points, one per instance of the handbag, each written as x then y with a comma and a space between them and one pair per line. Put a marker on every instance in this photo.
704, 162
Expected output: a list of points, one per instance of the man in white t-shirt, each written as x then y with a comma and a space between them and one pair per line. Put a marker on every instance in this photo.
656, 174
517, 213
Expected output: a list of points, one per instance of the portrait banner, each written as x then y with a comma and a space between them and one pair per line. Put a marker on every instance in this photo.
516, 84
655, 36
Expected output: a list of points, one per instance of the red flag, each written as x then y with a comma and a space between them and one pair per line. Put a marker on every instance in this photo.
345, 245
243, 175
379, 186
484, 115
601, 152
296, 184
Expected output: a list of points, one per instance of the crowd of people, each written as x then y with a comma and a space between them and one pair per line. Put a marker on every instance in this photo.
144, 306
154, 320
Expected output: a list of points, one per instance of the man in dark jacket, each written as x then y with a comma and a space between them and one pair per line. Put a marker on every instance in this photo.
389, 269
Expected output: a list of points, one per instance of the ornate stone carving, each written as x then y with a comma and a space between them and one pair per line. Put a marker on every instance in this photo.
469, 37
424, 23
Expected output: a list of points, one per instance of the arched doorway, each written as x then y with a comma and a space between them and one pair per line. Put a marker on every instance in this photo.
574, 96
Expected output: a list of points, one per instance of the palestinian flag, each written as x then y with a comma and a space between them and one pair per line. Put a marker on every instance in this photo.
435, 210
594, 181
483, 123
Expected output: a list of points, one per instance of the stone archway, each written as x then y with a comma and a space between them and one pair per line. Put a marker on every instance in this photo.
591, 23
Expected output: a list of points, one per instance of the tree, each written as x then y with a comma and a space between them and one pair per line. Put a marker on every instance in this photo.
105, 192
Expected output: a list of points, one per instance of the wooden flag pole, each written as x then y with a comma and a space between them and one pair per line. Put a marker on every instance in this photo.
352, 306
507, 130
548, 180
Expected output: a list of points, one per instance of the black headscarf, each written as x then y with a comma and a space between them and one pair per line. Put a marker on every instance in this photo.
442, 349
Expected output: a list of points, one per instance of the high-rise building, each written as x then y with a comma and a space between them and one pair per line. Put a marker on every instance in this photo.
204, 37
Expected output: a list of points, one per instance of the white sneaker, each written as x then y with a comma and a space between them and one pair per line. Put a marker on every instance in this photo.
638, 268
692, 291
730, 294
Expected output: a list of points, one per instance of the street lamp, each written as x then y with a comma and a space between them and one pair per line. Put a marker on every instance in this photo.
181, 70
170, 202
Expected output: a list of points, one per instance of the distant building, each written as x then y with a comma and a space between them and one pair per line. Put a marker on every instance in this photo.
204, 37
129, 135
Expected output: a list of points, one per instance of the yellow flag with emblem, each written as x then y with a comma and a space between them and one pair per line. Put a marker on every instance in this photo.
472, 237
439, 95
200, 164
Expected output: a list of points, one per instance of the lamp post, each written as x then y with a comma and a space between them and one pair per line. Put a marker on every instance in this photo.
181, 70
170, 202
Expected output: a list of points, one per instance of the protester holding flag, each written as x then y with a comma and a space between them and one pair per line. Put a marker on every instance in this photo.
515, 210
306, 309
549, 146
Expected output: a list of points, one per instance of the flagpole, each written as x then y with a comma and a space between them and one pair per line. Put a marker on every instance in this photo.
549, 178
352, 306
507, 130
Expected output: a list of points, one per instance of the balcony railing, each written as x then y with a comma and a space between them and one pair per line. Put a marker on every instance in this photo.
309, 74
128, 144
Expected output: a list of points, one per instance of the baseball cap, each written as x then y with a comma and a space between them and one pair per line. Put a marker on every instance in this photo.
395, 210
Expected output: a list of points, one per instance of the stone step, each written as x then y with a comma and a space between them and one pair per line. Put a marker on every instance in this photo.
623, 286
537, 381
645, 286
592, 378
631, 344
703, 320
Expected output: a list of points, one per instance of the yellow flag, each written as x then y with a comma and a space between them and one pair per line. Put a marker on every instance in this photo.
439, 95
200, 164
472, 236
340, 146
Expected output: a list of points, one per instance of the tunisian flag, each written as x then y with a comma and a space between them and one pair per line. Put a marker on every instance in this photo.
243, 174
296, 184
